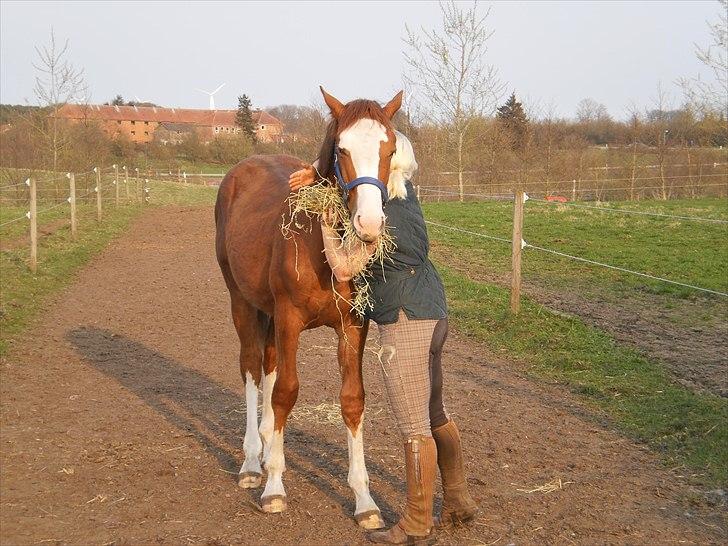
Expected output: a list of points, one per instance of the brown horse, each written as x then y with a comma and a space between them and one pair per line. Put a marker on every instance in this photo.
281, 286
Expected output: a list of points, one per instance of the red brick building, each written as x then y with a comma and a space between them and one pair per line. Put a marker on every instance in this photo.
139, 123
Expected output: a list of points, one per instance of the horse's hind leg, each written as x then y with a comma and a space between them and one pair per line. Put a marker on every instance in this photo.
350, 352
270, 365
283, 397
249, 328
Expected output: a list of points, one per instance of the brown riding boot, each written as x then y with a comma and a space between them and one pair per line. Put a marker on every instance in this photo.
416, 524
457, 504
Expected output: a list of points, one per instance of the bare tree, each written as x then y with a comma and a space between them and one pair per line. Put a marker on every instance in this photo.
634, 125
590, 110
57, 83
447, 67
659, 118
703, 94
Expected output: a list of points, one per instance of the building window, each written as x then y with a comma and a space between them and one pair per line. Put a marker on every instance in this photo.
133, 122
262, 126
146, 133
146, 123
119, 122
217, 129
133, 132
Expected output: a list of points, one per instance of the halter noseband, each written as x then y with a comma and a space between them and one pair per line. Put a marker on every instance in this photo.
347, 187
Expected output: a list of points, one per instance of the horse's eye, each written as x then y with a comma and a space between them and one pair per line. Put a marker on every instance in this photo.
343, 151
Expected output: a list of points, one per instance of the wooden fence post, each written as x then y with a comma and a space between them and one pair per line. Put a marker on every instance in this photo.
179, 175
72, 201
145, 192
136, 180
418, 193
33, 225
116, 183
573, 190
126, 181
98, 194
516, 248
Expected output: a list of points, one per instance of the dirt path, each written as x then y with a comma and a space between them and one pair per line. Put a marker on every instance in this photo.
122, 422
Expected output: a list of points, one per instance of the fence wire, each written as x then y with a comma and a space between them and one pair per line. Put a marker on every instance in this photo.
583, 181
627, 211
623, 269
524, 244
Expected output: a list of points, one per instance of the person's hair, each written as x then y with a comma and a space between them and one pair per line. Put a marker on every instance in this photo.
402, 168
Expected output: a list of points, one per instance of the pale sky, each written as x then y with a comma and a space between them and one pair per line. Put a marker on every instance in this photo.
279, 52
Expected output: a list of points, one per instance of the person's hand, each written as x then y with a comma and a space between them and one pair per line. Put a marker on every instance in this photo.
303, 177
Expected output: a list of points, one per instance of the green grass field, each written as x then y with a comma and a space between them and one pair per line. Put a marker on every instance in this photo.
637, 394
685, 251
59, 257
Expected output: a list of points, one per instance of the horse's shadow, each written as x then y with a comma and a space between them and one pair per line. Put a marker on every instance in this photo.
214, 415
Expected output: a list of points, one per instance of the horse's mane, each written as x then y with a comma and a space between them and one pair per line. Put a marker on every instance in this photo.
403, 162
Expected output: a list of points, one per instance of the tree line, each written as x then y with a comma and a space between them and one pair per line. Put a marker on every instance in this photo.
467, 125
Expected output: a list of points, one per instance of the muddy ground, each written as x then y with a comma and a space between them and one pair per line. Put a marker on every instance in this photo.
122, 420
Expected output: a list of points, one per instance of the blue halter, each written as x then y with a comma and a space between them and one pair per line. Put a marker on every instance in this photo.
347, 187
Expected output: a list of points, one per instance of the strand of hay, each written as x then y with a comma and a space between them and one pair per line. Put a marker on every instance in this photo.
311, 202
549, 487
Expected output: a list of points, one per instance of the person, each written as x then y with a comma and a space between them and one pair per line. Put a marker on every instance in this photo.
410, 311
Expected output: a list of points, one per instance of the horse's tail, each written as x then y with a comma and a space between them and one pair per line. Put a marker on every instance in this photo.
222, 214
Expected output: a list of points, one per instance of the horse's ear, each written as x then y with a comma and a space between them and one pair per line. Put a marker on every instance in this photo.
332, 102
393, 105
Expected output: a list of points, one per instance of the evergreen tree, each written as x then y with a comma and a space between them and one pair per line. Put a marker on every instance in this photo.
512, 116
244, 117
117, 101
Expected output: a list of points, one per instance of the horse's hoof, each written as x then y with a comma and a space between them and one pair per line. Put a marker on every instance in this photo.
249, 480
370, 520
274, 504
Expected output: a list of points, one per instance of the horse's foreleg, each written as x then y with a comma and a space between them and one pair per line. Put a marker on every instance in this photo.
350, 352
283, 397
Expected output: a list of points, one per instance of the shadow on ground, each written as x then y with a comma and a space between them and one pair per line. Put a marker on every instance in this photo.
211, 414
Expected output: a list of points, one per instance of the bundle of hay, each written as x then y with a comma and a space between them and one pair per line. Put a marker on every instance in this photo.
312, 202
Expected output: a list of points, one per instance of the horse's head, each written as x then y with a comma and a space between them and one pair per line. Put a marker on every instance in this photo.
358, 151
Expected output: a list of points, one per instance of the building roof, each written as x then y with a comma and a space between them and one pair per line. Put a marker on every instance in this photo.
157, 114
184, 127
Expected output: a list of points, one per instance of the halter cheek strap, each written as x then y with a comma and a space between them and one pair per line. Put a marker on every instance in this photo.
347, 187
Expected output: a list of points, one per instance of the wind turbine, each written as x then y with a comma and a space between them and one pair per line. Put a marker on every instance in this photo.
212, 95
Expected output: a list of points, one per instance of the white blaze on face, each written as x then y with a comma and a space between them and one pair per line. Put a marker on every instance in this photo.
362, 140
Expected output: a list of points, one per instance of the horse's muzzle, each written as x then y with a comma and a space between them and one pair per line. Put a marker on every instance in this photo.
368, 228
